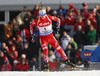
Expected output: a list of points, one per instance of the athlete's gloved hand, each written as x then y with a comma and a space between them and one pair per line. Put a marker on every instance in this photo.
58, 29
32, 36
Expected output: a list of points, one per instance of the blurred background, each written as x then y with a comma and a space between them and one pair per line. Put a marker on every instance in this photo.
79, 34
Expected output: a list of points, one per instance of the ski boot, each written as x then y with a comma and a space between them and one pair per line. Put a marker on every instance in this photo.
69, 63
46, 67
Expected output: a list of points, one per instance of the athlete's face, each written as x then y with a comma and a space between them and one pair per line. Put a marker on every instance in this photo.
43, 17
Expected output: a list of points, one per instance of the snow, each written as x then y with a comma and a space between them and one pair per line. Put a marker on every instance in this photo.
60, 73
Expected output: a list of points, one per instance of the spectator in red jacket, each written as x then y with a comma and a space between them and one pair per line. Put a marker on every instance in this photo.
53, 65
85, 13
10, 44
3, 56
72, 9
13, 53
70, 20
35, 11
78, 53
93, 21
6, 66
79, 23
24, 34
23, 63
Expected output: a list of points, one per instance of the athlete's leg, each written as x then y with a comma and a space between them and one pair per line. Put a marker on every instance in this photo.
56, 45
44, 45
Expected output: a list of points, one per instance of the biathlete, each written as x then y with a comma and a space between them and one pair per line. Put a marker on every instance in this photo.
44, 23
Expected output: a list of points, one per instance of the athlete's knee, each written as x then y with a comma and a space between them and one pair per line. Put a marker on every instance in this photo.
44, 48
58, 48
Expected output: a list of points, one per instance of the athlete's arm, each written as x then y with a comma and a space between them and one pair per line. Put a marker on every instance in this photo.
32, 24
53, 18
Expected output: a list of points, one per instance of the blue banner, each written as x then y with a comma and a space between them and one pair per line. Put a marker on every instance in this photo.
93, 55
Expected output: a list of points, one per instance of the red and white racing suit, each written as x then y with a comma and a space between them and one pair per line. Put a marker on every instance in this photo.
46, 36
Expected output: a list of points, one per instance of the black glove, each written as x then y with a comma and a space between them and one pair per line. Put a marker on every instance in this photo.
32, 36
58, 30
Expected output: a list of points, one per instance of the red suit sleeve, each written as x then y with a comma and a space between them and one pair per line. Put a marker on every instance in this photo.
33, 23
53, 18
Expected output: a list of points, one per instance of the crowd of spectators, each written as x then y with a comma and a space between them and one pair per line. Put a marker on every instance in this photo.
19, 53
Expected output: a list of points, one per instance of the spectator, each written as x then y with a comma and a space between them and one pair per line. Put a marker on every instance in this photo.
70, 52
98, 19
51, 56
91, 35
87, 27
62, 24
54, 13
48, 10
27, 52
24, 34
73, 44
79, 23
6, 66
23, 63
70, 20
23, 13
15, 64
72, 9
85, 12
10, 44
61, 10
9, 29
3, 58
19, 21
79, 37
93, 21
13, 53
80, 64
27, 19
15, 26
53, 65
65, 40
78, 53
35, 11
34, 64
3, 48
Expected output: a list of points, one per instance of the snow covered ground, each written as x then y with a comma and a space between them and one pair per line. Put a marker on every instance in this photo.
62, 73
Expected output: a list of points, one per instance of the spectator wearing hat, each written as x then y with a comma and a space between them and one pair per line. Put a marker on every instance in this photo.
72, 9
85, 12
23, 63
15, 64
